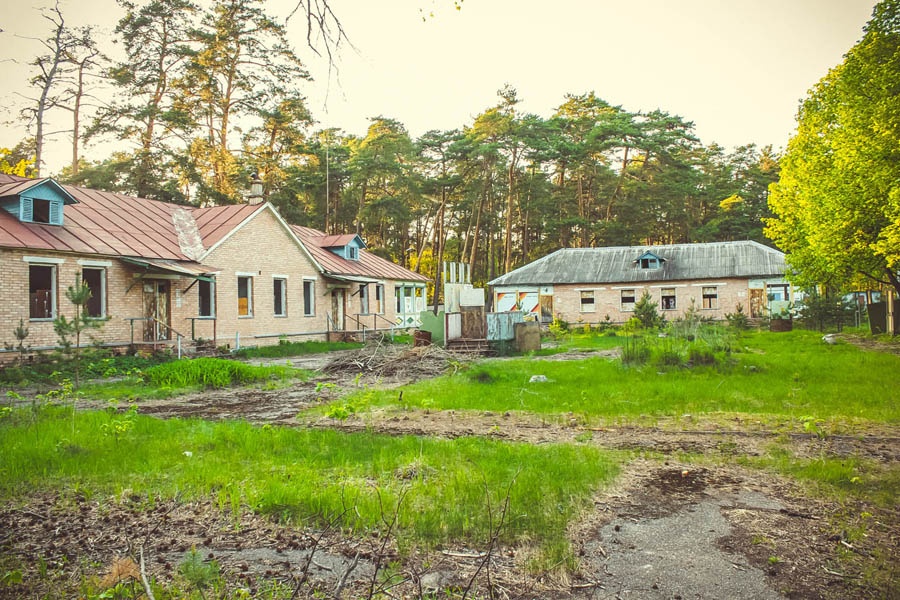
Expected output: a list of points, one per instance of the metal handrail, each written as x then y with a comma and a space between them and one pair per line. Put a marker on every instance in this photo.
178, 335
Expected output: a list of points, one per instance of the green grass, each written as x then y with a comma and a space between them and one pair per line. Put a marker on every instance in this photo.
312, 475
576, 339
287, 349
789, 375
182, 376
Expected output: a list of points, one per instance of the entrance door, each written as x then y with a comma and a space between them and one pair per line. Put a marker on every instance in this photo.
546, 309
757, 303
337, 309
156, 311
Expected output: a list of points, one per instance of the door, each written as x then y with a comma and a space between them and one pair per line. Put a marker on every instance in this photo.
156, 311
337, 309
757, 303
546, 308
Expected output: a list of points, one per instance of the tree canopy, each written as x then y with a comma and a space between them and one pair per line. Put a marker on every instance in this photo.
837, 204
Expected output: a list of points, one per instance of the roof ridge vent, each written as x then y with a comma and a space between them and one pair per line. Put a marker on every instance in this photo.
188, 233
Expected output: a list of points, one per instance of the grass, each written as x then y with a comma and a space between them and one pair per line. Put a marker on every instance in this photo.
788, 375
287, 349
175, 377
311, 475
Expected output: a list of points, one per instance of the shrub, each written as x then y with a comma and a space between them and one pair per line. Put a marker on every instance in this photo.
738, 319
645, 312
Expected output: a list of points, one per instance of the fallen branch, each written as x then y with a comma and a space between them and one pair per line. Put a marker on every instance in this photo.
343, 581
144, 580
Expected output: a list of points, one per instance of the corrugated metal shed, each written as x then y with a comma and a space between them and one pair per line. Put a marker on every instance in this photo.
620, 264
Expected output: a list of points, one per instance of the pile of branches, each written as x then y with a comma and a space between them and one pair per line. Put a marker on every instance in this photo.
384, 359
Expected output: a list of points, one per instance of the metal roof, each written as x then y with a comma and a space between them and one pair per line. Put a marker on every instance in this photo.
111, 224
717, 260
368, 265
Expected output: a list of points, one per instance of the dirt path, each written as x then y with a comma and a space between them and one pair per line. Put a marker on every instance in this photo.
667, 529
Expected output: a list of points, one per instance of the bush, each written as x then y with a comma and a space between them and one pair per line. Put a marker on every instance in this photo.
645, 312
738, 319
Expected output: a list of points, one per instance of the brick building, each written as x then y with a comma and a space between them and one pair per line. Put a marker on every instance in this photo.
233, 274
585, 285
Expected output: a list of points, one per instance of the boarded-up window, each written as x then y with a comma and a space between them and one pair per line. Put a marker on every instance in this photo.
587, 302
667, 299
206, 301
41, 291
309, 293
95, 280
245, 296
280, 296
628, 300
710, 297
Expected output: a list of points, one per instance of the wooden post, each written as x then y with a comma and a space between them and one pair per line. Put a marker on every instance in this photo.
890, 312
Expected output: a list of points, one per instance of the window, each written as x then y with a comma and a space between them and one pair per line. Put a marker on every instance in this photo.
279, 289
41, 292
650, 263
667, 298
245, 296
627, 299
352, 252
309, 293
379, 298
95, 280
710, 297
206, 299
364, 298
36, 210
587, 302
777, 292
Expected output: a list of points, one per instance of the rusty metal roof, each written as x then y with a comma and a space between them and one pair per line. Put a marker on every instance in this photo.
368, 265
745, 259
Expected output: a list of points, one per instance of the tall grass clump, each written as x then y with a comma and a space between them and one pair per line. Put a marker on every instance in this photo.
635, 350
211, 373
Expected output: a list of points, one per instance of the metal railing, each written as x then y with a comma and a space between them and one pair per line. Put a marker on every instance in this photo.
178, 336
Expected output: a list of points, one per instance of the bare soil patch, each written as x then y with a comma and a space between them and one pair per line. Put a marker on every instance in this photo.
667, 529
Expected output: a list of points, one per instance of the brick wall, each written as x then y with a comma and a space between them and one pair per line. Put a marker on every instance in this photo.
120, 301
607, 299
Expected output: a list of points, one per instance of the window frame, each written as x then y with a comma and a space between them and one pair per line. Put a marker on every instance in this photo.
364, 299
627, 306
783, 287
379, 298
309, 297
713, 297
279, 295
54, 289
249, 296
668, 294
101, 294
211, 287
588, 301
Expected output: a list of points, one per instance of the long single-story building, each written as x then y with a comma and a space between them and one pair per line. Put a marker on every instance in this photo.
587, 285
234, 274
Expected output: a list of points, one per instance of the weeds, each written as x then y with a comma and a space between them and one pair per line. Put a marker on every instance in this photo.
212, 373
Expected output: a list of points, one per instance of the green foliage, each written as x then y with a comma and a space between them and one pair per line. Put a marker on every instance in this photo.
635, 350
645, 312
822, 312
789, 374
558, 328
286, 348
211, 372
198, 573
837, 205
65, 329
738, 319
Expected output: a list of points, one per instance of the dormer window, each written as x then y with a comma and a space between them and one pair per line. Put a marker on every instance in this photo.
352, 253
37, 210
649, 261
40, 202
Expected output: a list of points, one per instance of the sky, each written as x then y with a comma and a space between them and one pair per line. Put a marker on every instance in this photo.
736, 68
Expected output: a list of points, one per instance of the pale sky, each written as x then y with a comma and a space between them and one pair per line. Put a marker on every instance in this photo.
736, 68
